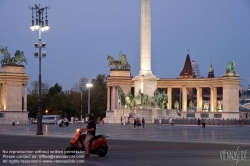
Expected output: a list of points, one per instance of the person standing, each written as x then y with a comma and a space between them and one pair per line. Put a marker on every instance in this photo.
13, 122
198, 122
86, 119
124, 120
159, 120
203, 122
241, 121
143, 123
76, 120
55, 119
121, 119
134, 123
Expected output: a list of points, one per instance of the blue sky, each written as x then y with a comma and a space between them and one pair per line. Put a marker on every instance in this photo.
83, 33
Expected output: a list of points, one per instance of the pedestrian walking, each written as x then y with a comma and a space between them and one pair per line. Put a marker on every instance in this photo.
124, 120
198, 122
121, 119
138, 124
13, 122
203, 122
143, 123
17, 121
134, 123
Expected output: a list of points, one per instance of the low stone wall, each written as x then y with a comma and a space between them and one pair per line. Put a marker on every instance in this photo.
9, 121
193, 121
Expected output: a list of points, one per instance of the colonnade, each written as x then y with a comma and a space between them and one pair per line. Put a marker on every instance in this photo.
112, 98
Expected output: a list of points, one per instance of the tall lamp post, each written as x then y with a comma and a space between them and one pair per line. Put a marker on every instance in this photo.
89, 85
41, 25
81, 86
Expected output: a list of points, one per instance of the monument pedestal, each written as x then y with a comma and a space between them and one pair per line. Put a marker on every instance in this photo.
148, 114
13, 89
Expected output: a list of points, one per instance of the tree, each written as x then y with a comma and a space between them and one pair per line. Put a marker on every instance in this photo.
54, 100
32, 97
34, 87
99, 96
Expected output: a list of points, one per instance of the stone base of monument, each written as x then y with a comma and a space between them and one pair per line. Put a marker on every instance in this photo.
228, 74
211, 115
7, 117
149, 115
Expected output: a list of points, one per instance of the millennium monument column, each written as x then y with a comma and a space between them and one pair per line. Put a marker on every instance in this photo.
145, 81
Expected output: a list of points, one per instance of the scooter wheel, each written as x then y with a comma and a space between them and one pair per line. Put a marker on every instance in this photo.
102, 150
70, 150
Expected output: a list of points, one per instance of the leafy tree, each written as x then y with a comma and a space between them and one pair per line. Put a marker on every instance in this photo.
32, 97
54, 100
99, 96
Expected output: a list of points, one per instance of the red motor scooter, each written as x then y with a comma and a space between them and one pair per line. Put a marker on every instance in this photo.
97, 145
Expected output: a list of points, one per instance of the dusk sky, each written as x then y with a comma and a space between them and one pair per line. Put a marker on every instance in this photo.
84, 32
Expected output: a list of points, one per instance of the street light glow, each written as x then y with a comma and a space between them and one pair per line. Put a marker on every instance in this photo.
89, 85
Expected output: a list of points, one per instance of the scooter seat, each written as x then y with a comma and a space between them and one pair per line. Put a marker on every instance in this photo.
95, 138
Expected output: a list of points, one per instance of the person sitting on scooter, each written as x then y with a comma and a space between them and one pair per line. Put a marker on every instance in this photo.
85, 138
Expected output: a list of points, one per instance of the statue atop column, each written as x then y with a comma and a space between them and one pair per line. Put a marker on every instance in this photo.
230, 70
18, 57
118, 64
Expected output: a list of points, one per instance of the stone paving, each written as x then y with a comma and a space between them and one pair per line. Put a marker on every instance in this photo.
163, 133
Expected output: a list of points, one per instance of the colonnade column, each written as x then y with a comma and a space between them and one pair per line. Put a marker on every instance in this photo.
169, 98
113, 97
25, 98
199, 99
184, 99
108, 98
1, 106
116, 98
213, 98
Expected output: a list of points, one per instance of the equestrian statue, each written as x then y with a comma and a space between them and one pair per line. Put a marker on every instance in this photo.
159, 100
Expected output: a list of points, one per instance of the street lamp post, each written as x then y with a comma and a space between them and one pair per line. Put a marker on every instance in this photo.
46, 112
39, 12
81, 89
89, 85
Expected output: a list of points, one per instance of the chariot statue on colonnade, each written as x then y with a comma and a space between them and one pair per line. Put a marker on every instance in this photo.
118, 64
18, 57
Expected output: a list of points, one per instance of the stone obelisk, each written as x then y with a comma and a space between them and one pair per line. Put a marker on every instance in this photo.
145, 81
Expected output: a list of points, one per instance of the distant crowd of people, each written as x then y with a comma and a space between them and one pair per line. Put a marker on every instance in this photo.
74, 121
138, 123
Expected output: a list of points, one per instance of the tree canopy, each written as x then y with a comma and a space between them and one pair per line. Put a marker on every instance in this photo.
69, 103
